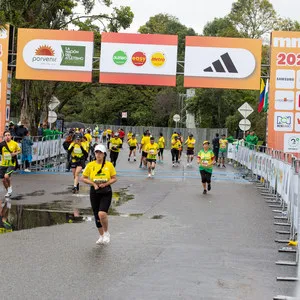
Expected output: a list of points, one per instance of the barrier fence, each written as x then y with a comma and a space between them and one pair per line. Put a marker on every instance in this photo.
278, 178
47, 155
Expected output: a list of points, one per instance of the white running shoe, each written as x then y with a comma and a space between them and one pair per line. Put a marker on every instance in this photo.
149, 175
9, 192
106, 237
100, 240
152, 172
173, 165
27, 171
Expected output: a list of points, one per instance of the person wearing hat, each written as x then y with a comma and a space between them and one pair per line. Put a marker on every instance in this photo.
151, 150
115, 146
78, 154
206, 160
176, 144
100, 175
190, 142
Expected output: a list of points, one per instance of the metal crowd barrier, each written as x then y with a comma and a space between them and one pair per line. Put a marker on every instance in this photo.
48, 154
277, 175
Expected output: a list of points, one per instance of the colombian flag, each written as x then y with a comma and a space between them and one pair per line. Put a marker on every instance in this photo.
261, 96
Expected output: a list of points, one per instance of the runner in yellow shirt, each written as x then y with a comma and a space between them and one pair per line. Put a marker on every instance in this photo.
151, 149
78, 153
176, 144
161, 145
129, 135
133, 144
100, 175
190, 142
145, 140
115, 147
9, 150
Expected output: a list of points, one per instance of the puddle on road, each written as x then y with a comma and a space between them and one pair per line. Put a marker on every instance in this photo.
157, 217
54, 213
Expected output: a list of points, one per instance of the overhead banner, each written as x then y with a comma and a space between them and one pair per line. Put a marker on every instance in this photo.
4, 39
58, 55
146, 59
227, 63
284, 93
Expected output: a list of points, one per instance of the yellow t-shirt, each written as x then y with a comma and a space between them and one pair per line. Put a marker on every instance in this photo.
91, 171
77, 152
108, 131
132, 142
129, 135
176, 144
223, 144
173, 136
88, 137
7, 160
152, 150
86, 145
145, 141
115, 142
190, 143
161, 142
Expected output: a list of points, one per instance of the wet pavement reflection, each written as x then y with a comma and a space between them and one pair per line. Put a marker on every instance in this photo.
14, 216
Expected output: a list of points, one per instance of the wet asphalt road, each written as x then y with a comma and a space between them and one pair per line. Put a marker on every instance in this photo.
169, 242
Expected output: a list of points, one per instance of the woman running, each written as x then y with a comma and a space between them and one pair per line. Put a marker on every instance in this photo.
133, 144
206, 160
100, 175
161, 144
78, 154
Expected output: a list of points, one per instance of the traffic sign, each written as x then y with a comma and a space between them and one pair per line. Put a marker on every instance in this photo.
245, 124
52, 116
246, 110
54, 102
176, 118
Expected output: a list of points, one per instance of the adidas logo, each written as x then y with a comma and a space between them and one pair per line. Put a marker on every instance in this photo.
223, 65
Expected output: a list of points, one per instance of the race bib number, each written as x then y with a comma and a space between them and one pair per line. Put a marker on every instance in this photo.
77, 151
7, 156
204, 162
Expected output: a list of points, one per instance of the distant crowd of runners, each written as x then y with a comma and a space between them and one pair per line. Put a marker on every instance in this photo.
92, 157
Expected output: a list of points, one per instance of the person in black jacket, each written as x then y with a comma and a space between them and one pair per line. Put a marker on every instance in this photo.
216, 146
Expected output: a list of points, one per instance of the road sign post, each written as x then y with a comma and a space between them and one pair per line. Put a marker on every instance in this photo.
245, 110
176, 119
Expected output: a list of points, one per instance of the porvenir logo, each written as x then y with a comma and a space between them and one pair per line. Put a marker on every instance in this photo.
44, 54
120, 58
158, 59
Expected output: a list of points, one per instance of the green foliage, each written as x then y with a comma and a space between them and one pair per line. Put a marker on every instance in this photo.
221, 27
253, 18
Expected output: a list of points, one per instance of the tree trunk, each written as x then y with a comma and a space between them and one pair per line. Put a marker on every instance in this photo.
35, 97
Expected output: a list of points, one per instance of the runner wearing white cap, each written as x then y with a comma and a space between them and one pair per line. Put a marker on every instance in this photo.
100, 175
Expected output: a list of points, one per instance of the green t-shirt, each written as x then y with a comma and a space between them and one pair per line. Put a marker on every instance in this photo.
206, 160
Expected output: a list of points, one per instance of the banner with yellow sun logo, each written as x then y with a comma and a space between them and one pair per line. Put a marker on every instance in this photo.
58, 55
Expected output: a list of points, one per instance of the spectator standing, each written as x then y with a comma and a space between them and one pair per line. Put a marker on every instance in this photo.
216, 146
27, 144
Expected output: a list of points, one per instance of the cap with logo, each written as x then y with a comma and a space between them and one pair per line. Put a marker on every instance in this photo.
206, 142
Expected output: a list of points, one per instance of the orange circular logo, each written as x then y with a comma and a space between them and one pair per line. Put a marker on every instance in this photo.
158, 59
138, 59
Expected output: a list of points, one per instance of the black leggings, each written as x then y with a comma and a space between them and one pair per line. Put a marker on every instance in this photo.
99, 202
113, 157
205, 176
161, 152
175, 154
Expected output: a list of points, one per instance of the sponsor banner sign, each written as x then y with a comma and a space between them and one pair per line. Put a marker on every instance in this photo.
55, 55
149, 59
284, 93
230, 63
4, 111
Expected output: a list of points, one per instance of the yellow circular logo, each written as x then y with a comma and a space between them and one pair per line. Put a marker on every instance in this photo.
158, 59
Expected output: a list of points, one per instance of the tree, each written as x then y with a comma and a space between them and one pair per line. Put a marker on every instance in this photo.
221, 27
54, 14
253, 18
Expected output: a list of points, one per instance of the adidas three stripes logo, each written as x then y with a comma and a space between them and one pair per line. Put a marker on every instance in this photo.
227, 66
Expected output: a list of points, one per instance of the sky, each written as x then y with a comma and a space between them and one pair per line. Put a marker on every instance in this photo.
192, 13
